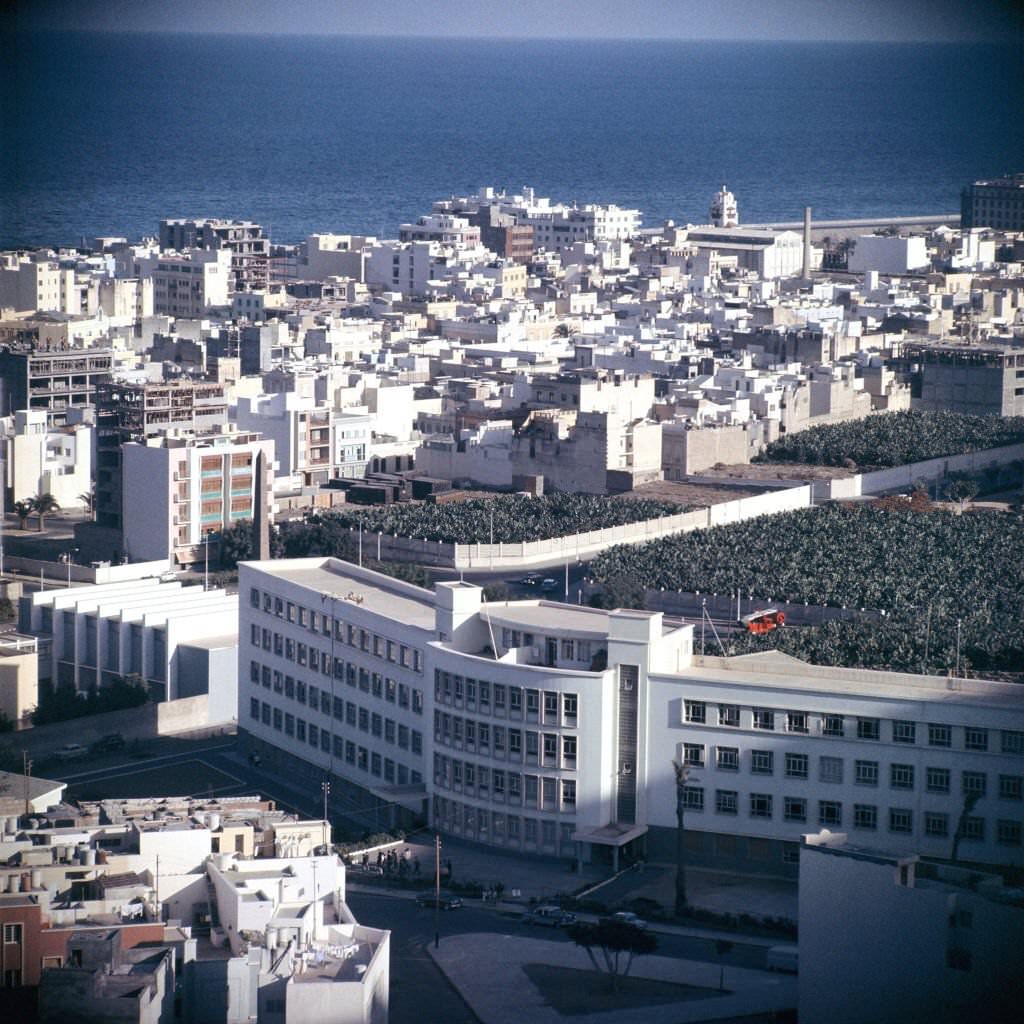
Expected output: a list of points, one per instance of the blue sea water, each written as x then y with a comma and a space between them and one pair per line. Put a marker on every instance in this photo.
106, 134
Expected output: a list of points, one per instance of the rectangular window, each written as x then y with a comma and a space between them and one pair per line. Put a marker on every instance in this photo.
974, 829
1008, 833
760, 805
254, 708
693, 798
696, 711
832, 725
974, 783
867, 729
568, 793
729, 714
1011, 742
830, 769
761, 762
693, 754
795, 808
830, 813
796, 766
764, 719
1010, 787
866, 773
904, 732
937, 780
901, 820
726, 801
796, 721
936, 824
865, 816
975, 739
901, 776
940, 736
727, 759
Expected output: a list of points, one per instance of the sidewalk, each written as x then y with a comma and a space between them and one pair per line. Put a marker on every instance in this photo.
488, 971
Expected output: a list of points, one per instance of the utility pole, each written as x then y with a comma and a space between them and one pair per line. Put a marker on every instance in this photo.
325, 788
27, 767
206, 561
437, 891
958, 648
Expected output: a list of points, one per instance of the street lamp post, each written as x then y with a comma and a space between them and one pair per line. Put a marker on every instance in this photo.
325, 788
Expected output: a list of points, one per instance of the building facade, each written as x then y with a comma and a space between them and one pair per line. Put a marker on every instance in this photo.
996, 203
553, 729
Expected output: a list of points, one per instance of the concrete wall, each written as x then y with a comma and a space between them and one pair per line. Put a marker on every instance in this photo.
904, 477
559, 550
85, 573
145, 722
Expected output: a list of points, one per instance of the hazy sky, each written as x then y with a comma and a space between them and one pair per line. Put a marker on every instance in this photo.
854, 20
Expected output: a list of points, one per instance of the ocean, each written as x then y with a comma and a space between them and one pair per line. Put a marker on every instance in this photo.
107, 134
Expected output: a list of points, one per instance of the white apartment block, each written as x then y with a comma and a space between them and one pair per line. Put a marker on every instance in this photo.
553, 729
177, 491
38, 459
189, 284
300, 430
30, 284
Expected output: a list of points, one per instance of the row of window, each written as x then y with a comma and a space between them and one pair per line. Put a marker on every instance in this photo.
322, 624
478, 694
865, 816
321, 738
487, 783
865, 773
381, 687
697, 712
500, 828
552, 750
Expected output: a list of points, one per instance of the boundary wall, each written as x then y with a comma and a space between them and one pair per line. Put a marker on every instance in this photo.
904, 477
511, 557
59, 572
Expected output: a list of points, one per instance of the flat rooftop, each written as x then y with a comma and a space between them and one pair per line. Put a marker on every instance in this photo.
546, 616
350, 585
774, 669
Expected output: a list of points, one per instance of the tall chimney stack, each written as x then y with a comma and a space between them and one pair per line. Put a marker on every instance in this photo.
807, 243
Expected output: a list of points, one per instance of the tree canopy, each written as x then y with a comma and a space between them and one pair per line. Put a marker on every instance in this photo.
618, 943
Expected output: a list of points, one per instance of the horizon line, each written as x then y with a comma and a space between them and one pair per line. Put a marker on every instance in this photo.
45, 30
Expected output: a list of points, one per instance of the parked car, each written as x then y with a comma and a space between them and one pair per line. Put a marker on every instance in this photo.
549, 916
448, 901
531, 579
627, 917
70, 751
112, 741
548, 585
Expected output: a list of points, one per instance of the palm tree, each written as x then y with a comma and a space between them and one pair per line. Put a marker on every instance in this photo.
43, 504
682, 773
22, 509
88, 499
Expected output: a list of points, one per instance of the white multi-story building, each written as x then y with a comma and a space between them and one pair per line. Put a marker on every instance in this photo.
30, 284
553, 729
177, 491
39, 459
189, 284
897, 940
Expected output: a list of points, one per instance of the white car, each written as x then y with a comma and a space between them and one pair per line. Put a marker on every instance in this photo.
70, 751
